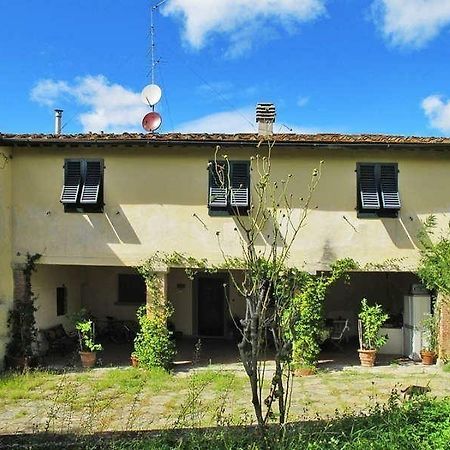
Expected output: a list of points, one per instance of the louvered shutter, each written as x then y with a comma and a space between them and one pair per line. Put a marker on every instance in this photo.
368, 188
240, 184
72, 181
92, 181
217, 189
389, 186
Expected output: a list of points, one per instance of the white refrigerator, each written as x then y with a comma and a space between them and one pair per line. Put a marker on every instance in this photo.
415, 309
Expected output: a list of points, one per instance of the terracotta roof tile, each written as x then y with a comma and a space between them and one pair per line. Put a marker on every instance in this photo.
288, 138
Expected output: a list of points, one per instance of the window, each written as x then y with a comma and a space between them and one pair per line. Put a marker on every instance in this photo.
229, 187
83, 185
61, 301
378, 189
132, 289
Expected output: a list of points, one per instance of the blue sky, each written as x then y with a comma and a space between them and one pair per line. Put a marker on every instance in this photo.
348, 66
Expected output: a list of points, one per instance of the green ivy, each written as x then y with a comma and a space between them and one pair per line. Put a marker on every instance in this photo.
21, 320
304, 318
434, 266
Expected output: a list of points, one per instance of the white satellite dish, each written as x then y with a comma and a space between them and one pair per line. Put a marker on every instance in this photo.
151, 94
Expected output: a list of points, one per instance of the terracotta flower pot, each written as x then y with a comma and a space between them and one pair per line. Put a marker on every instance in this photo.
88, 359
428, 357
304, 371
367, 357
134, 361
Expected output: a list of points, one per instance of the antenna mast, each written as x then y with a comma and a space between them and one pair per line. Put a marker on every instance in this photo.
151, 94
152, 45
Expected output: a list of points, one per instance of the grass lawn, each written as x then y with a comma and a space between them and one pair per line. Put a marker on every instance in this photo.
134, 399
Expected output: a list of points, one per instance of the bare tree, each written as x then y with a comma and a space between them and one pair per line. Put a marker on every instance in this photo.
267, 230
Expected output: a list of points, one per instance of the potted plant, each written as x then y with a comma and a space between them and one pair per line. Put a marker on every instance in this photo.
371, 319
429, 339
88, 347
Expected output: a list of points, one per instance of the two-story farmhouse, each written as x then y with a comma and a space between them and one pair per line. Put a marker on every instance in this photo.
96, 205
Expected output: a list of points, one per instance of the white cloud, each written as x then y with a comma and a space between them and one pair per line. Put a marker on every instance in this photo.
110, 107
241, 20
437, 111
240, 120
411, 22
47, 92
236, 121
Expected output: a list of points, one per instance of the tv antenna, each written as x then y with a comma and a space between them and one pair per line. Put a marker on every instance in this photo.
151, 94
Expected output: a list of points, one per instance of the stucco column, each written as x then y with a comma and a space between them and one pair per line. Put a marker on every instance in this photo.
19, 294
444, 328
157, 293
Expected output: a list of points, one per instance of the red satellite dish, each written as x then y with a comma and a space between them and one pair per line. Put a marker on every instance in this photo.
151, 121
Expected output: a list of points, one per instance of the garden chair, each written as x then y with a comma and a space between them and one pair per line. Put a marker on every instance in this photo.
58, 340
339, 332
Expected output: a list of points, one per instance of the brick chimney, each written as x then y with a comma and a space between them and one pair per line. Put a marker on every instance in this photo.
265, 118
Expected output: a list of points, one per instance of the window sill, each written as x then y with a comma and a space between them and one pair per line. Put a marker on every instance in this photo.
383, 214
83, 210
223, 212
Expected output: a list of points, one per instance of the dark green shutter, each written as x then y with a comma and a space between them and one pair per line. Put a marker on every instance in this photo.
92, 181
72, 181
240, 184
368, 186
389, 186
218, 182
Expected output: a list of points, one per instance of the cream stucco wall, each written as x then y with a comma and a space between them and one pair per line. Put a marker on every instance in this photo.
45, 281
100, 293
180, 294
6, 280
94, 288
156, 200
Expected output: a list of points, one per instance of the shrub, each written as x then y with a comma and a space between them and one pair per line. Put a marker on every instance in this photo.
153, 345
434, 267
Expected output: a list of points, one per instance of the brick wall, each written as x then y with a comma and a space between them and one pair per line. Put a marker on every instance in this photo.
444, 329
19, 283
19, 294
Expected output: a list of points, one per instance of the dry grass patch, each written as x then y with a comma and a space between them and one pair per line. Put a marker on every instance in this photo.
130, 399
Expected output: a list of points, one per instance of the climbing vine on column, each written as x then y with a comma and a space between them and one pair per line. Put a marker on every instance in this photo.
153, 345
21, 320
